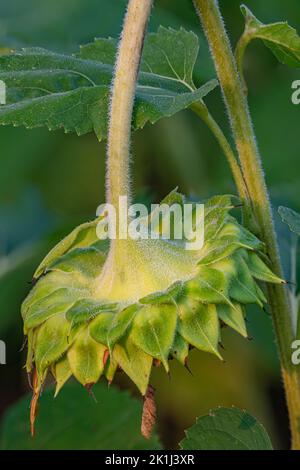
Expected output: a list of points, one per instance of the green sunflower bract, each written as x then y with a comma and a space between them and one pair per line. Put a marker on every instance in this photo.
91, 313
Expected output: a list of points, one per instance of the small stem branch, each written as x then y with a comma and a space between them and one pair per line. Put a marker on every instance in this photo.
294, 249
200, 109
241, 124
122, 99
293, 288
239, 57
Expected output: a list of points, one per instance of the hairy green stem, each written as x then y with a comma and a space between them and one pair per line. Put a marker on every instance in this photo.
119, 133
122, 99
293, 288
244, 136
239, 57
200, 109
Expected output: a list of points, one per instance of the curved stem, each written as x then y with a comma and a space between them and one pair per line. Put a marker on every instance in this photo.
293, 281
241, 124
200, 109
122, 99
119, 133
239, 57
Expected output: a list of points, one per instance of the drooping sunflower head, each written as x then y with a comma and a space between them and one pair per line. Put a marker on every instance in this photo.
96, 308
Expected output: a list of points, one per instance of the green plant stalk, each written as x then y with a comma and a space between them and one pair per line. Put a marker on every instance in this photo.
239, 57
200, 109
293, 288
119, 132
241, 124
122, 100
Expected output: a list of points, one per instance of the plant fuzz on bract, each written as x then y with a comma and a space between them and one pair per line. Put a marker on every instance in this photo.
91, 313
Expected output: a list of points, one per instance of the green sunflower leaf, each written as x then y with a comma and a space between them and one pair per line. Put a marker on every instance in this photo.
260, 270
217, 203
135, 363
86, 358
62, 372
120, 324
233, 317
226, 429
242, 287
100, 326
87, 309
102, 50
216, 210
86, 261
232, 230
55, 303
180, 349
75, 422
199, 325
111, 367
215, 250
210, 286
281, 38
72, 92
159, 217
31, 337
52, 341
291, 218
82, 236
166, 297
154, 329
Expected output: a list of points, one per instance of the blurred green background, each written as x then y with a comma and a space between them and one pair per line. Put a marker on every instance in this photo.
50, 182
